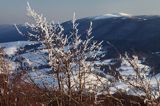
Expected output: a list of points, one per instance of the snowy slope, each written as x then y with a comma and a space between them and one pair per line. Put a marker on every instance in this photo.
41, 75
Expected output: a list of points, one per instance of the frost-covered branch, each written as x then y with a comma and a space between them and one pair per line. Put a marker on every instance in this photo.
68, 55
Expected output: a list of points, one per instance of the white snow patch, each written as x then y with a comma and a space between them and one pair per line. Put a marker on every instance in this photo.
104, 16
125, 14
10, 50
41, 79
91, 81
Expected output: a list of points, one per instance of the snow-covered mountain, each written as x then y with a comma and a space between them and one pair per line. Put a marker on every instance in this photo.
138, 35
126, 33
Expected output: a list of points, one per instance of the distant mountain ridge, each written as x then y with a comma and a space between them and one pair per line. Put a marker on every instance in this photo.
8, 33
122, 30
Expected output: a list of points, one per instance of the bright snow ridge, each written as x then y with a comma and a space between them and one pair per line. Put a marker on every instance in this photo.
104, 16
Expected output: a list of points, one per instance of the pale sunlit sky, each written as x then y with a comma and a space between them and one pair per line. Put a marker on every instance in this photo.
14, 11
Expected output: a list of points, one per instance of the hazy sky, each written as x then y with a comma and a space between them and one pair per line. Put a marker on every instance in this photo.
13, 11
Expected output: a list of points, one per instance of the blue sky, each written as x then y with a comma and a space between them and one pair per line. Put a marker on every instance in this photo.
13, 11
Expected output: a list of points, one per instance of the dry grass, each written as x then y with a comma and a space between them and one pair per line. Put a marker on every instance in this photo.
25, 94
